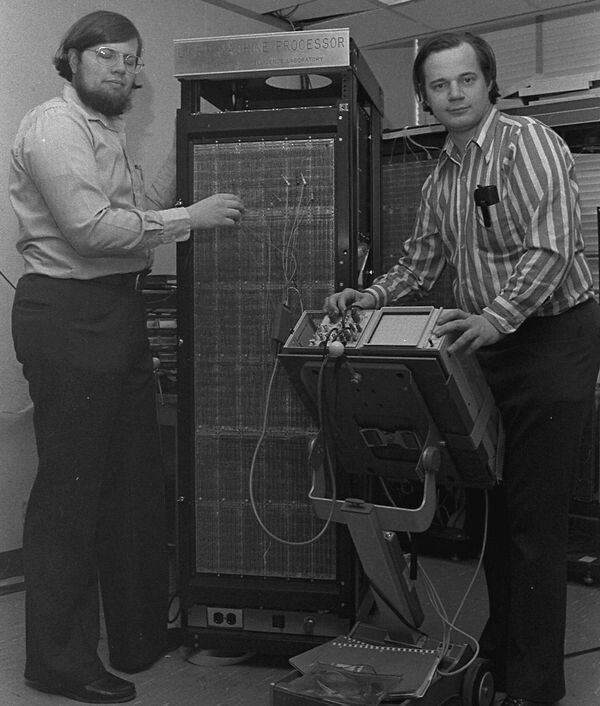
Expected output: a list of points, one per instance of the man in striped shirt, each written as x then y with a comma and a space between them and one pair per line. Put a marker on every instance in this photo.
501, 210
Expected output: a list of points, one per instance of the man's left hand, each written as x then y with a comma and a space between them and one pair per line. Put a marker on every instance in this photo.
468, 332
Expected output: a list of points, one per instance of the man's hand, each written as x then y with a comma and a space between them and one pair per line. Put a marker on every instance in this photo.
468, 332
336, 304
216, 211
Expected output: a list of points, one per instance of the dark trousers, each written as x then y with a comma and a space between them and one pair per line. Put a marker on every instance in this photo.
96, 512
543, 378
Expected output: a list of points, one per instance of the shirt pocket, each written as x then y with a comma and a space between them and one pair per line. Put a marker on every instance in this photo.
500, 236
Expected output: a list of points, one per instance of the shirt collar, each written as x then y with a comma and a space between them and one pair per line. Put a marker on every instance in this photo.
71, 96
483, 139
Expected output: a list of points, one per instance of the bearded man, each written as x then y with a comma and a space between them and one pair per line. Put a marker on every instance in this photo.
88, 227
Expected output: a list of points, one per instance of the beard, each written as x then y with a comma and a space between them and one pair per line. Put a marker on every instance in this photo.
105, 102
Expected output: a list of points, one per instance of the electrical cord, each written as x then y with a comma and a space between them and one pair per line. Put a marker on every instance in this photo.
408, 142
580, 653
287, 250
449, 626
6, 413
253, 503
177, 613
5, 278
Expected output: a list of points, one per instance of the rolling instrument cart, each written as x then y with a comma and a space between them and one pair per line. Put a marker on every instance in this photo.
392, 403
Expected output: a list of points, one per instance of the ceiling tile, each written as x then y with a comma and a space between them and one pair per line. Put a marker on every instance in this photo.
258, 7
377, 26
297, 10
434, 13
329, 8
373, 24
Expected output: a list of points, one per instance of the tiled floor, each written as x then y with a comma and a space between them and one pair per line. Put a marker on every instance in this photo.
177, 681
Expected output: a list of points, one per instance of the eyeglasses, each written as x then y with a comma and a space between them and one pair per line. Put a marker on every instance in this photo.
106, 56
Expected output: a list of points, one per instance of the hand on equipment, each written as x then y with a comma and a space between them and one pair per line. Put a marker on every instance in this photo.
468, 332
336, 304
216, 211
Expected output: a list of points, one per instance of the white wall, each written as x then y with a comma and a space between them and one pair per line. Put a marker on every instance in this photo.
393, 70
31, 32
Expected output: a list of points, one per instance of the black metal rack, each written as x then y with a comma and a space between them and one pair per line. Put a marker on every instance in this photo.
307, 164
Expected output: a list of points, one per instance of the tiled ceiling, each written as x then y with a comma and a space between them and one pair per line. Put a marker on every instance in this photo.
378, 23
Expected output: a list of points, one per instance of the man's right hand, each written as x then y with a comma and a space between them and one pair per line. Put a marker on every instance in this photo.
336, 304
216, 211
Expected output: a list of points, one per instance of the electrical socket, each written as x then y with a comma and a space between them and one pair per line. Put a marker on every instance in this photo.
225, 617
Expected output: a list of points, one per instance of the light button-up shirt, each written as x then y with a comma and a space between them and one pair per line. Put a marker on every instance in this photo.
81, 203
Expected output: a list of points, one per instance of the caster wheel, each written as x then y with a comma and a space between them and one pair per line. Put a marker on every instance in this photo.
478, 687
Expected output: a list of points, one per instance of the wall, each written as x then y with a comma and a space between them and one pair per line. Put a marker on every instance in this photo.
32, 30
392, 69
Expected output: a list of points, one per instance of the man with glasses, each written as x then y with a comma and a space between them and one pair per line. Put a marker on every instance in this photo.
88, 227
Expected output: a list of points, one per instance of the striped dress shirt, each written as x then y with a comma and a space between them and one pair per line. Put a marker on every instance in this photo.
529, 260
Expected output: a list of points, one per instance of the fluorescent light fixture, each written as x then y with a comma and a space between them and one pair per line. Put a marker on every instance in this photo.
393, 2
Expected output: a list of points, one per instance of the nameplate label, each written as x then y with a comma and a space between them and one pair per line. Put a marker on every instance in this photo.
258, 54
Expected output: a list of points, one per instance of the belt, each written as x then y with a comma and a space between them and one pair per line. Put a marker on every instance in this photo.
127, 280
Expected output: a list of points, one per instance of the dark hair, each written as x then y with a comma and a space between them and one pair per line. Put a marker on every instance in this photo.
95, 28
451, 40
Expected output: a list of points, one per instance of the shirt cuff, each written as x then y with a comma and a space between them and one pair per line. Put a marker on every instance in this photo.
378, 294
498, 322
176, 225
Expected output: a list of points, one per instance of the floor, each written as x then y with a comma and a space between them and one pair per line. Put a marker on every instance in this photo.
202, 679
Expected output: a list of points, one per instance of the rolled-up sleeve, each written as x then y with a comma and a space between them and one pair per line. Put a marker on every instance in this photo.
420, 264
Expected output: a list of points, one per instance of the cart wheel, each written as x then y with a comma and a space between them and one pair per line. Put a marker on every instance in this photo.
478, 687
